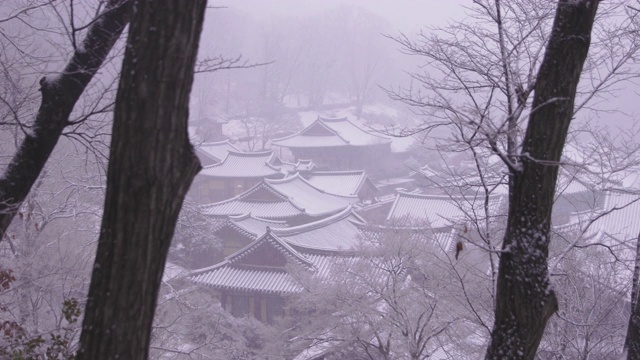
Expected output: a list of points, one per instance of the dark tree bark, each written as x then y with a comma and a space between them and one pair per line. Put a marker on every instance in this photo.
59, 96
151, 166
632, 341
525, 300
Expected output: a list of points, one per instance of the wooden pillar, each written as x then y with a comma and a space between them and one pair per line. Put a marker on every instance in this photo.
257, 309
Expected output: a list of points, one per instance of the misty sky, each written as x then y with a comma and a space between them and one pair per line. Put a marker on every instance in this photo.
410, 16
404, 15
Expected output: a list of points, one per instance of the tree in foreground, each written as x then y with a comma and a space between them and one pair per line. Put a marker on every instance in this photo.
632, 340
59, 96
151, 166
525, 300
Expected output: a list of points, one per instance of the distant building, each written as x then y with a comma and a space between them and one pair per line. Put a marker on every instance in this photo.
210, 128
211, 153
236, 232
345, 183
239, 171
338, 144
291, 199
443, 212
614, 222
256, 281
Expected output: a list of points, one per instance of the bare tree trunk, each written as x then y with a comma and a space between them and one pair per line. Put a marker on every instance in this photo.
151, 167
525, 300
632, 342
59, 96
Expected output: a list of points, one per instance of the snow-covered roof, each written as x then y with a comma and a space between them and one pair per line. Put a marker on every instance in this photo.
233, 274
274, 241
344, 183
439, 210
225, 277
279, 199
339, 232
216, 151
245, 164
308, 197
620, 216
335, 233
300, 166
250, 225
238, 164
331, 132
461, 173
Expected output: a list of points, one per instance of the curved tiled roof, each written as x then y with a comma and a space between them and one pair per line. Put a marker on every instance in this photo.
339, 232
254, 226
344, 183
620, 216
334, 132
244, 164
226, 277
312, 200
301, 165
439, 210
217, 151
270, 210
274, 241
288, 197
229, 275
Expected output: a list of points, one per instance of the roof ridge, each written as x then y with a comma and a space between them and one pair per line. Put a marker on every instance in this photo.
321, 121
325, 192
284, 180
343, 214
333, 119
268, 187
301, 132
280, 243
250, 153
209, 143
372, 133
443, 197
246, 193
248, 215
338, 172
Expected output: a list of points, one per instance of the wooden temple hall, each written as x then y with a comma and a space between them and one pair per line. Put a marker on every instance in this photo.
256, 280
337, 144
238, 171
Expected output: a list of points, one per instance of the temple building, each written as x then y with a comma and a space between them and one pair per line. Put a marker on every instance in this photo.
236, 232
257, 280
292, 199
345, 183
338, 144
239, 171
211, 153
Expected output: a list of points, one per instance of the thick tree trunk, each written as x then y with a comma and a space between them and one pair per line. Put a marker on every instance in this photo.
151, 167
525, 300
59, 96
632, 342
